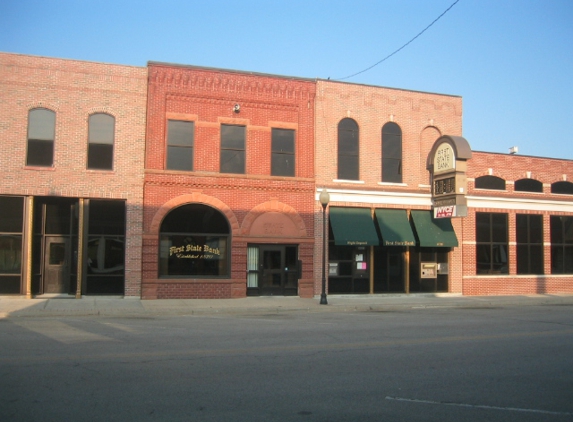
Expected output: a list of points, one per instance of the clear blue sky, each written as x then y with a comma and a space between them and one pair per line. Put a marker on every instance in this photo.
510, 60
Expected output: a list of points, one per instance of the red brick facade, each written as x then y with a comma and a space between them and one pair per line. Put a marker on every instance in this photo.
74, 90
207, 97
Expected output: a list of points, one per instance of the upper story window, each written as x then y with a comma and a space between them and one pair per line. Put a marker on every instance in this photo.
563, 187
101, 134
391, 153
490, 182
528, 185
180, 143
233, 149
282, 155
348, 167
41, 134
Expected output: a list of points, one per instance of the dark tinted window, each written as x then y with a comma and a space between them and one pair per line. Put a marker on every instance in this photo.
282, 156
41, 132
232, 149
564, 188
101, 139
490, 182
492, 247
529, 237
11, 214
528, 185
561, 244
391, 153
180, 144
348, 147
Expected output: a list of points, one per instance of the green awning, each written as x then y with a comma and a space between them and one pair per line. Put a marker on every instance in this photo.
395, 228
434, 232
353, 226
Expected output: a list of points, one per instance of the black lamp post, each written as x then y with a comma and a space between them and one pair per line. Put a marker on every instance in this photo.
324, 199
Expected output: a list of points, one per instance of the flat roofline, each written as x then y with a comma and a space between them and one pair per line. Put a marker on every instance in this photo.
8, 53
388, 87
242, 72
523, 155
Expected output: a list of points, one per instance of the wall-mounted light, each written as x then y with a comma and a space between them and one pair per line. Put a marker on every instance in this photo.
236, 108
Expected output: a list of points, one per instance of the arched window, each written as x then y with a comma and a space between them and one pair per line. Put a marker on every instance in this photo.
563, 187
490, 182
391, 153
101, 135
194, 240
348, 165
528, 185
41, 133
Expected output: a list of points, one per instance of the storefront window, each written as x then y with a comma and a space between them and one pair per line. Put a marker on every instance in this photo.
491, 243
561, 244
194, 242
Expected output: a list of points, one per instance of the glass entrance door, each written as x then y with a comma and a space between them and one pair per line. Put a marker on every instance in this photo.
272, 270
57, 264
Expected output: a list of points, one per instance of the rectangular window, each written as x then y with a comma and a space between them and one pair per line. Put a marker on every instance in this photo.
492, 243
561, 244
41, 133
282, 158
529, 237
101, 131
11, 233
233, 149
180, 143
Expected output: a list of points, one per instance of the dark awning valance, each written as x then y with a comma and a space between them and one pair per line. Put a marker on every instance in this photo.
353, 226
434, 232
395, 228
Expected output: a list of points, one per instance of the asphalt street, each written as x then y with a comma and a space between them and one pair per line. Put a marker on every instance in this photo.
494, 363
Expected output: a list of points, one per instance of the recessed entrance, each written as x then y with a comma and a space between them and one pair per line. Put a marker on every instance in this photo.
273, 270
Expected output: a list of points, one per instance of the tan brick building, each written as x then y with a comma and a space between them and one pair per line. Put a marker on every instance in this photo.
71, 176
229, 184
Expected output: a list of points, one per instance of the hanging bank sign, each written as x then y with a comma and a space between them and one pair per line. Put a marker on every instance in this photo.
447, 163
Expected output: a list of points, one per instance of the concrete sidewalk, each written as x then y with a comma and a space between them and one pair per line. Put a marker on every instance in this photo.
13, 307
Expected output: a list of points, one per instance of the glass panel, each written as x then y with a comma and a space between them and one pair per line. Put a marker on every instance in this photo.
101, 129
11, 214
536, 229
564, 188
57, 253
193, 255
232, 161
536, 259
499, 227
528, 185
233, 137
522, 228
483, 259
272, 260
391, 146
179, 158
252, 267
391, 128
391, 170
568, 260
567, 230
106, 255
348, 167
100, 156
490, 182
58, 218
283, 140
40, 153
556, 226
10, 254
557, 264
499, 255
195, 219
10, 284
180, 133
107, 217
483, 227
282, 165
522, 259
41, 124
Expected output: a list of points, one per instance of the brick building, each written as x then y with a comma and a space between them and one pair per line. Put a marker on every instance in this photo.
177, 181
229, 184
372, 144
71, 176
518, 235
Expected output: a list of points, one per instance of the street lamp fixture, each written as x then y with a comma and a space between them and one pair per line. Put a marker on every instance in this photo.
324, 199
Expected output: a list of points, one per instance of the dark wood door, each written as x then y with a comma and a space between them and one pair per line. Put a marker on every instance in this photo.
57, 264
